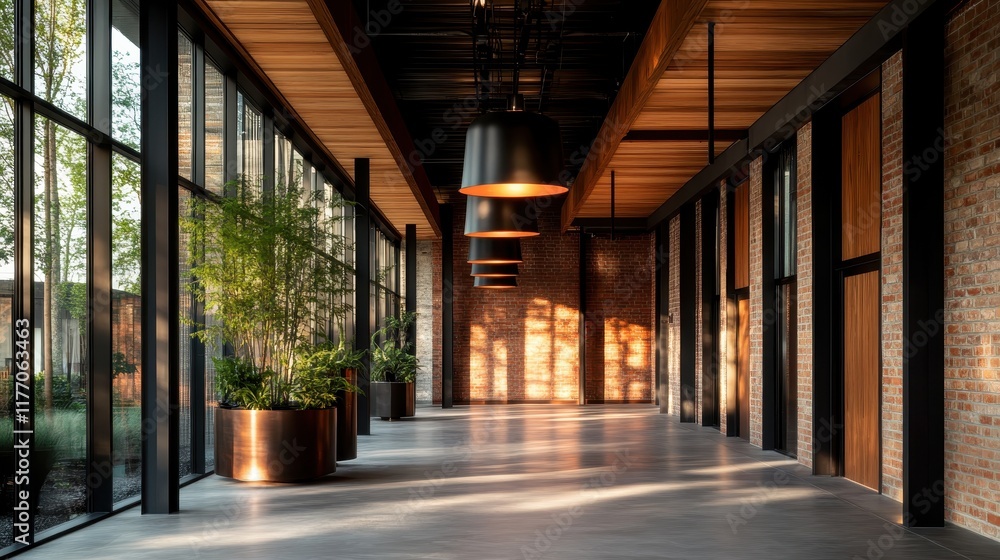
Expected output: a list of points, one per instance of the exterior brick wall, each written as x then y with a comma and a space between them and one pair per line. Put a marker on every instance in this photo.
426, 327
726, 368
437, 294
674, 340
620, 328
756, 301
892, 277
972, 268
803, 289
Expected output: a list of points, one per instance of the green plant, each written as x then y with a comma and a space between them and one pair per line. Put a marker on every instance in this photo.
392, 356
262, 264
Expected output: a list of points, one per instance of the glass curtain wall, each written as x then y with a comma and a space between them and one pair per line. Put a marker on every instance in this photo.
785, 252
57, 165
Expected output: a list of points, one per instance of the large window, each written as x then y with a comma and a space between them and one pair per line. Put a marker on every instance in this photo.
785, 217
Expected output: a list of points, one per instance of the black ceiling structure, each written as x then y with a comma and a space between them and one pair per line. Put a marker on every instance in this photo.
448, 61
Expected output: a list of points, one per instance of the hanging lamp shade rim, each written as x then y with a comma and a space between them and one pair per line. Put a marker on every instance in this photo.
503, 283
500, 217
494, 270
513, 154
495, 250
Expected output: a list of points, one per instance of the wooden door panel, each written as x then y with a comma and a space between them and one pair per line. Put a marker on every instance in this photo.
861, 168
861, 378
743, 367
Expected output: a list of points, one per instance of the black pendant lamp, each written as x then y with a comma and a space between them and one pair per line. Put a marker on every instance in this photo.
513, 153
500, 217
494, 250
494, 270
502, 283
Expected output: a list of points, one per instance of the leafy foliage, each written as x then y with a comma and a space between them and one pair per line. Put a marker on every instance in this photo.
256, 267
392, 357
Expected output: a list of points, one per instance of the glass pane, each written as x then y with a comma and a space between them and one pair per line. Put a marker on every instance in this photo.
250, 150
126, 75
62, 317
186, 297
282, 161
61, 54
185, 104
7, 42
215, 127
6, 294
126, 327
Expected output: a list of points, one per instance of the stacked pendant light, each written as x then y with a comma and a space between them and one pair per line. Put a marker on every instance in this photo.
511, 157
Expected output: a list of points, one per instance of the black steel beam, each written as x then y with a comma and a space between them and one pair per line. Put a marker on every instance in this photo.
159, 258
923, 271
620, 224
858, 56
99, 350
688, 305
447, 307
362, 282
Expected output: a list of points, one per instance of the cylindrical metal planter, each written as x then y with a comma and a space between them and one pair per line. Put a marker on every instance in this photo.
347, 420
275, 445
411, 399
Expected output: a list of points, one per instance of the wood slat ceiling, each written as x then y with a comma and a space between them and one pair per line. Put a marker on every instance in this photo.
763, 48
287, 43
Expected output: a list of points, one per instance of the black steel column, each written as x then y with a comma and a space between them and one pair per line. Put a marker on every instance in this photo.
688, 279
923, 271
827, 401
447, 307
411, 281
582, 389
711, 93
160, 389
663, 317
99, 381
362, 283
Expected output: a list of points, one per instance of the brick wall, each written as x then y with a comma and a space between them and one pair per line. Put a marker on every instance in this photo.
756, 301
522, 345
972, 268
726, 367
892, 277
437, 294
620, 328
674, 341
426, 327
803, 288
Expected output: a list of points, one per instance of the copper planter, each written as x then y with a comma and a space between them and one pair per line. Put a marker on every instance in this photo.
411, 399
275, 445
347, 420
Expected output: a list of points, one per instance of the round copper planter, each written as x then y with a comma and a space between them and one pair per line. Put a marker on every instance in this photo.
275, 445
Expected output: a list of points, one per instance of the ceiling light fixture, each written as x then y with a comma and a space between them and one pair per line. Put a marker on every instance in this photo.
504, 283
499, 217
494, 270
494, 250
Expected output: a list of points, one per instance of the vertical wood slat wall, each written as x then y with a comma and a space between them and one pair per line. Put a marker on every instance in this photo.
861, 378
741, 235
861, 164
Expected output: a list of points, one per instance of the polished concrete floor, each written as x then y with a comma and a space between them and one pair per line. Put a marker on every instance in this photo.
515, 482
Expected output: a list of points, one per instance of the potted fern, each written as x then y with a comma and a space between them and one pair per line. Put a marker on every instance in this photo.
393, 369
262, 264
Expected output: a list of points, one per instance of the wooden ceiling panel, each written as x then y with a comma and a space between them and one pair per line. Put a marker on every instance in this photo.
286, 41
763, 49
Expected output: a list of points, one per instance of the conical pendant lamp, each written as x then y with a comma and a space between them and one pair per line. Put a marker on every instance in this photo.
494, 250
504, 283
500, 217
494, 270
513, 153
